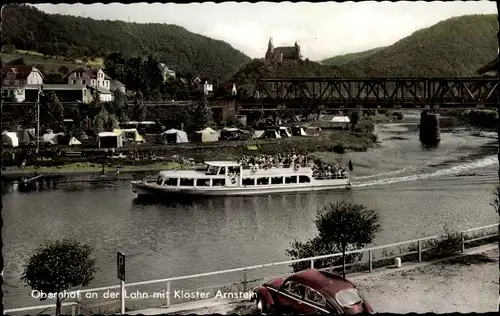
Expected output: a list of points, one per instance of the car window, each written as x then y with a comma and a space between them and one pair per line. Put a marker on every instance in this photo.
295, 288
349, 297
314, 297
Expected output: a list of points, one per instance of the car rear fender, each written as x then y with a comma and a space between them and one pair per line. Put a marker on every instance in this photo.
265, 295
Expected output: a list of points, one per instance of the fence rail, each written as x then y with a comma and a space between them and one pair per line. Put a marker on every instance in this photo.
412, 250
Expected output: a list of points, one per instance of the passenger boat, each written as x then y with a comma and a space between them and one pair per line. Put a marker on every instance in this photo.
225, 178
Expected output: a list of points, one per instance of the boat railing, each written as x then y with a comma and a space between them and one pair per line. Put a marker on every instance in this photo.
275, 166
332, 177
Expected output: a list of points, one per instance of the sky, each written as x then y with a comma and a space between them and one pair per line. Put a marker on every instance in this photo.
322, 29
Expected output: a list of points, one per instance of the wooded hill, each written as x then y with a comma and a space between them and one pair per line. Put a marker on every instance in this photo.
28, 28
343, 59
454, 47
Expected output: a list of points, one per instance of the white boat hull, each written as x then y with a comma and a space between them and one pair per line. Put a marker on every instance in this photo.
153, 189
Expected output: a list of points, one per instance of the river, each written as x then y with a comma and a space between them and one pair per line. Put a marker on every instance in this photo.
417, 192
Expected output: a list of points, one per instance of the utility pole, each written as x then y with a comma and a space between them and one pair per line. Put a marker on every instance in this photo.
38, 118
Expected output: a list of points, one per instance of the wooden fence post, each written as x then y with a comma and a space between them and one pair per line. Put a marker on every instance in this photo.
419, 246
462, 241
370, 260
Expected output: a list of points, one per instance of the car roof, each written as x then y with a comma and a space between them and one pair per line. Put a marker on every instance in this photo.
325, 282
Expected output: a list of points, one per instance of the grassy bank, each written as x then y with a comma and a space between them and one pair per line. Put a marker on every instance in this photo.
88, 168
331, 139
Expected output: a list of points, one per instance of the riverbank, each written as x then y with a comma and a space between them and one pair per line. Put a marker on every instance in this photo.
464, 283
359, 138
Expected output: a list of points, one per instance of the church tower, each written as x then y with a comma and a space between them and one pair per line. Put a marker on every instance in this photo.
297, 51
270, 49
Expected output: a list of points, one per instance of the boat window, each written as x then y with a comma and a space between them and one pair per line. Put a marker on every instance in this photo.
248, 181
277, 180
222, 171
219, 182
187, 182
292, 179
212, 170
304, 179
159, 180
170, 182
262, 181
203, 182
233, 170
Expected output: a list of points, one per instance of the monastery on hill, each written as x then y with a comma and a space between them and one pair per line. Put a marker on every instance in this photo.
282, 53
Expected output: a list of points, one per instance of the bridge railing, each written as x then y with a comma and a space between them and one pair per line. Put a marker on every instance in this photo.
168, 291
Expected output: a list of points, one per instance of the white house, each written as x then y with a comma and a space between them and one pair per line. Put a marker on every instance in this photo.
17, 77
167, 73
95, 78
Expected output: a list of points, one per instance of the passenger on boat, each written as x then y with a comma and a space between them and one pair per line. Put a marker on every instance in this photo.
326, 171
278, 160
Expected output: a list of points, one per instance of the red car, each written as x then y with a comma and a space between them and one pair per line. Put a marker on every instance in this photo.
310, 291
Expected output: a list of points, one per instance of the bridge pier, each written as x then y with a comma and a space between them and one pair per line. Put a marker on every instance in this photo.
430, 133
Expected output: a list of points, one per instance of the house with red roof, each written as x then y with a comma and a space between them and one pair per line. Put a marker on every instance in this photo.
16, 78
95, 79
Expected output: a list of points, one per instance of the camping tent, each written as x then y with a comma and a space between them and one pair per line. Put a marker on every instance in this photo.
130, 134
208, 135
284, 131
109, 140
51, 138
26, 135
10, 139
233, 133
313, 130
74, 142
340, 119
268, 133
258, 134
298, 131
174, 136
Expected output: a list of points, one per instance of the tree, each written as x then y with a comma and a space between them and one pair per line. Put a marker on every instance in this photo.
354, 118
105, 121
63, 70
51, 112
58, 266
341, 226
115, 66
197, 115
118, 106
8, 49
496, 199
139, 109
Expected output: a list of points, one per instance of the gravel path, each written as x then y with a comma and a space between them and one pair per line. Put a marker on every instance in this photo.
467, 284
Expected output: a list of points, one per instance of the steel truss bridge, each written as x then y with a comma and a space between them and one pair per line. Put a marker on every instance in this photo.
316, 93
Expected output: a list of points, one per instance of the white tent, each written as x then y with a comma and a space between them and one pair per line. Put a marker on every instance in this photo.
174, 136
284, 131
299, 131
109, 140
130, 134
340, 119
10, 138
74, 142
50, 138
258, 134
270, 133
208, 135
